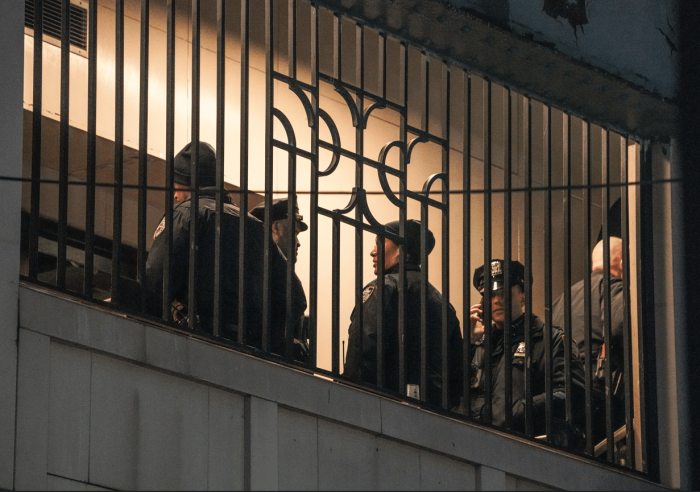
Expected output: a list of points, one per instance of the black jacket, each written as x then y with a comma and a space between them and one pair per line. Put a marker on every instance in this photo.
516, 362
179, 276
363, 365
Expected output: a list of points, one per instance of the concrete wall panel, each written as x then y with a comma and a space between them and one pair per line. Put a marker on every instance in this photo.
347, 458
516, 483
398, 466
225, 467
298, 450
149, 430
32, 411
261, 438
69, 412
439, 472
60, 483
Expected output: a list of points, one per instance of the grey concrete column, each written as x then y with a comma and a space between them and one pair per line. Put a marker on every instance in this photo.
261, 444
11, 61
668, 299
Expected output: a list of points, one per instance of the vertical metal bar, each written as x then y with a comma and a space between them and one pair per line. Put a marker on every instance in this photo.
313, 277
290, 253
627, 318
118, 152
143, 149
466, 243
337, 52
647, 359
425, 83
548, 282
192, 305
269, 105
487, 257
359, 170
243, 202
423, 302
335, 327
607, 337
218, 317
425, 86
588, 356
507, 253
169, 158
292, 37
63, 152
566, 179
529, 424
381, 65
379, 306
36, 140
446, 383
88, 280
403, 134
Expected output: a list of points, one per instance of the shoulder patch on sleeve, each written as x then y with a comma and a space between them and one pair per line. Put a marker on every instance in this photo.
159, 229
367, 293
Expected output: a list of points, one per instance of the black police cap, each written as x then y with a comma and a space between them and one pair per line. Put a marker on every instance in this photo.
278, 212
517, 275
206, 167
412, 234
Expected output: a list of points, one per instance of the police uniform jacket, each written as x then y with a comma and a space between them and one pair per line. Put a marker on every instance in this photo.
179, 275
361, 363
513, 358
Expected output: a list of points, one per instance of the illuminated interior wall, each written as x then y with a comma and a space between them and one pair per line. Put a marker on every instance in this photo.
382, 127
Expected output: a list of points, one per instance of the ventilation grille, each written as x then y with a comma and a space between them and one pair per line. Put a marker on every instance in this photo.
52, 21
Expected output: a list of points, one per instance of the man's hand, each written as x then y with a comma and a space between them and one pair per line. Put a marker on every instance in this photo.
477, 322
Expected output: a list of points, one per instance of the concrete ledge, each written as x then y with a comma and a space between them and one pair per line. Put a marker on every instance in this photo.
96, 329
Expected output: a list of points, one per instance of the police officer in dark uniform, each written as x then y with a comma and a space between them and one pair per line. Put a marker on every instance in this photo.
282, 232
180, 254
362, 365
286, 236
610, 354
511, 357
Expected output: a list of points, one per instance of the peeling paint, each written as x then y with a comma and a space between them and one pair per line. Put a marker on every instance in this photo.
572, 10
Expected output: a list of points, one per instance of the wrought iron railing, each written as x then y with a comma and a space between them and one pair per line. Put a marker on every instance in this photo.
493, 170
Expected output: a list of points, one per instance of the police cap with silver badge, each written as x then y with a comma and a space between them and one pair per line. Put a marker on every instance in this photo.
206, 167
279, 212
497, 281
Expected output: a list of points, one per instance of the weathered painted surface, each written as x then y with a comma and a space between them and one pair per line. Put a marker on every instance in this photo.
636, 41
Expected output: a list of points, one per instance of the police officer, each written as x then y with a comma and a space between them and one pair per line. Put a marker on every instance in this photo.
180, 255
510, 356
610, 354
285, 239
281, 227
361, 364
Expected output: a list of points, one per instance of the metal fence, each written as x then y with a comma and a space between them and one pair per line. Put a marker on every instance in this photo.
364, 127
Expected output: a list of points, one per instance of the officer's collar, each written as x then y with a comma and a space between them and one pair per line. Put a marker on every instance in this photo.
210, 192
410, 266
